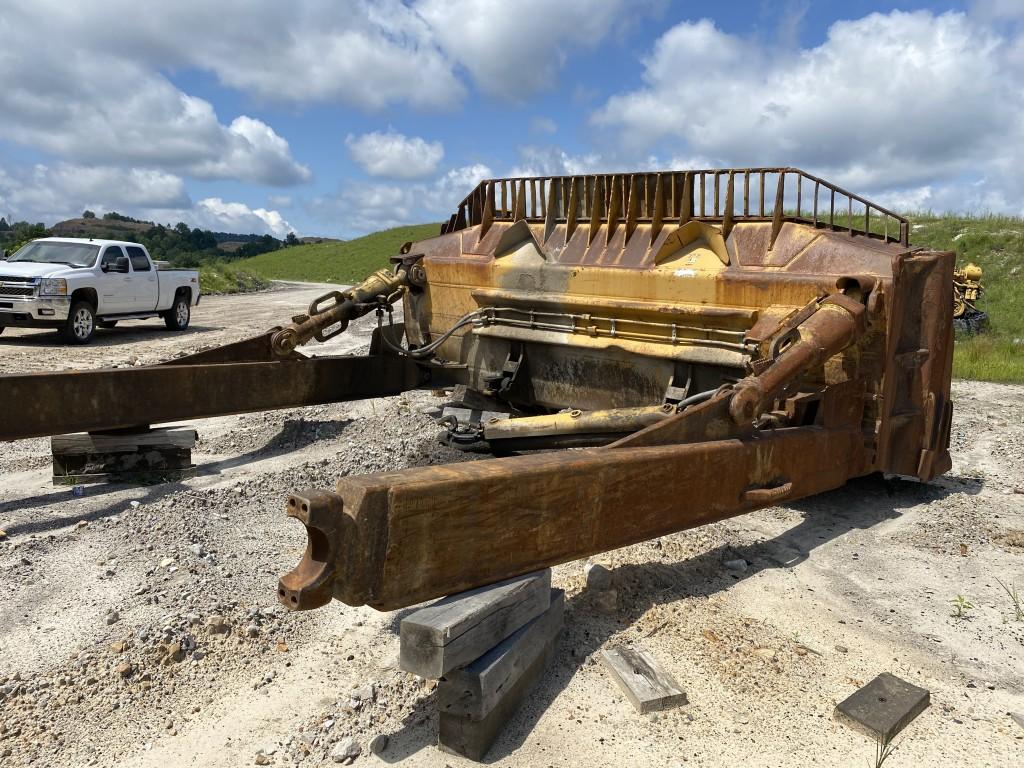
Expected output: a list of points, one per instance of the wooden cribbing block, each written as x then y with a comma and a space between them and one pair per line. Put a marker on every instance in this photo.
473, 738
474, 691
883, 707
461, 628
144, 456
644, 681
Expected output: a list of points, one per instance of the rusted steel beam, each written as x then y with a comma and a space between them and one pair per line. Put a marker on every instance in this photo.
394, 539
38, 404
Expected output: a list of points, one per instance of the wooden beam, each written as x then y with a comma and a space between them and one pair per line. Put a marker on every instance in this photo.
475, 690
124, 441
647, 685
461, 628
473, 738
883, 707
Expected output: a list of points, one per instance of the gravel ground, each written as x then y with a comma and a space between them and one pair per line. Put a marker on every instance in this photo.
140, 625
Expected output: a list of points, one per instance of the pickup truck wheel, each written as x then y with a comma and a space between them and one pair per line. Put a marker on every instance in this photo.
106, 323
80, 325
179, 315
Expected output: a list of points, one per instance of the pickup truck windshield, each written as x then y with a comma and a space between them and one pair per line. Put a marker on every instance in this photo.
72, 254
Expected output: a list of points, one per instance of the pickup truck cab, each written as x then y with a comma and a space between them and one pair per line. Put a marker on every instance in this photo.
75, 285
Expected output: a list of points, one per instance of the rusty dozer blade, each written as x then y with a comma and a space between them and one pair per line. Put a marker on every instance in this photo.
817, 341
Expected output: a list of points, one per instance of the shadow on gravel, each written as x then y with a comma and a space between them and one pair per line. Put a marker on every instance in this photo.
295, 435
860, 504
153, 493
107, 337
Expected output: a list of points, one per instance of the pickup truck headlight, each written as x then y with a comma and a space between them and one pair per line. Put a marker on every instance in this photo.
53, 286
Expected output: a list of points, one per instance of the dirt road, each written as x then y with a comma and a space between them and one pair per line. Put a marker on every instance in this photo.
139, 626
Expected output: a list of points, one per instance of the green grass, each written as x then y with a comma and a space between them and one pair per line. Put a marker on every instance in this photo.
996, 244
222, 278
340, 262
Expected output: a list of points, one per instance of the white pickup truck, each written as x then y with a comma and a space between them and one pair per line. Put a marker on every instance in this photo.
75, 285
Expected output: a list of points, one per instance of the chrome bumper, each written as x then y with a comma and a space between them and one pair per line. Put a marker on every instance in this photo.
29, 311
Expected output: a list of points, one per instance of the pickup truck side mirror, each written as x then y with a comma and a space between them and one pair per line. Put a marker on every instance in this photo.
120, 264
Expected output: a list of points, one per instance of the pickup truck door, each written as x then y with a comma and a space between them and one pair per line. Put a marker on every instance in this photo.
116, 289
145, 281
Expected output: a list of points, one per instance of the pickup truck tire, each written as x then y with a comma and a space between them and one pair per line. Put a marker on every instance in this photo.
106, 323
80, 325
179, 314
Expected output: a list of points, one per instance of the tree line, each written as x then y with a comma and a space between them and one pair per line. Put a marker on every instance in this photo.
181, 245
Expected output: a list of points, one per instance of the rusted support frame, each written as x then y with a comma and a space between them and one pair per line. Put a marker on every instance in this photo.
395, 539
38, 404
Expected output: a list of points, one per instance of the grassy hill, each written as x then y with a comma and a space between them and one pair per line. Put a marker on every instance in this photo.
996, 244
104, 229
335, 262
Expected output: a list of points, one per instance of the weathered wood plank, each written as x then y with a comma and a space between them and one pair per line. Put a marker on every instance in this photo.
153, 477
461, 628
883, 707
644, 681
474, 691
473, 738
129, 441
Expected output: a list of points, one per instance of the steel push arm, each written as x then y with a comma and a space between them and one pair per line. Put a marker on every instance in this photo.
257, 374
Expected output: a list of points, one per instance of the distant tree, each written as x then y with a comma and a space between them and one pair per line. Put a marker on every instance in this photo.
115, 216
291, 239
88, 215
23, 232
264, 244
4, 226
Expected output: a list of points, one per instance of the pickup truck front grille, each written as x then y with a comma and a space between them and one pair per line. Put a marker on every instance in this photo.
17, 286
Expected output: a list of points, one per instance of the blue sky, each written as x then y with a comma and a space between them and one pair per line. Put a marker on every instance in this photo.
335, 117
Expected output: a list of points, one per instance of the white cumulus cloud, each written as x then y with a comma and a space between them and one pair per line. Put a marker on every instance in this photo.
51, 193
215, 214
897, 100
393, 155
513, 50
